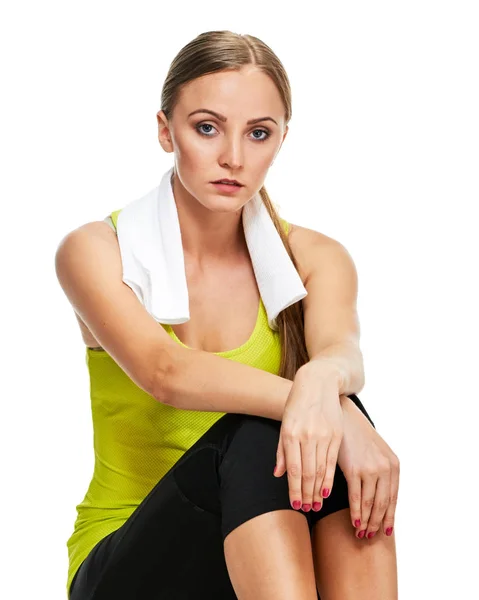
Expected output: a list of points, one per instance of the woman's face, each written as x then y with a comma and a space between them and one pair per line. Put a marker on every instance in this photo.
209, 147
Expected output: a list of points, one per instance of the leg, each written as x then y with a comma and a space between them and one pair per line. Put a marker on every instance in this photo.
270, 556
351, 569
348, 568
267, 544
174, 543
168, 548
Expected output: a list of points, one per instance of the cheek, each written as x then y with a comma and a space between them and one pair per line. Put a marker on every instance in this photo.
190, 143
260, 165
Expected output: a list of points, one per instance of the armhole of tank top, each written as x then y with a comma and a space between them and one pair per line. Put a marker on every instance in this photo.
110, 222
286, 225
112, 219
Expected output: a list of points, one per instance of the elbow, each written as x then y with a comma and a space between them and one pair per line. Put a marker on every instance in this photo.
165, 373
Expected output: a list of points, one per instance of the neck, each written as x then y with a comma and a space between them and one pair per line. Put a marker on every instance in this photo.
207, 235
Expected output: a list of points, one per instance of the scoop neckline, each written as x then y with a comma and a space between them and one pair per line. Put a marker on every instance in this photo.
234, 351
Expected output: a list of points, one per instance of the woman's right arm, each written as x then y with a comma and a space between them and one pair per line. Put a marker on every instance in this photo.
89, 269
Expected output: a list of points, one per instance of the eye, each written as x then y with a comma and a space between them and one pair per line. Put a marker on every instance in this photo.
198, 128
202, 132
262, 131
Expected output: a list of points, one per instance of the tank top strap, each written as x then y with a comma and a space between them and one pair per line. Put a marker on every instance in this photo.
114, 216
286, 225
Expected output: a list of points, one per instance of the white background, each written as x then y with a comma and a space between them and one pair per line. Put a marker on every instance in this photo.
382, 155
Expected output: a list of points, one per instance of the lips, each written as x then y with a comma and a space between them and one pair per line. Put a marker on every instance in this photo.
228, 182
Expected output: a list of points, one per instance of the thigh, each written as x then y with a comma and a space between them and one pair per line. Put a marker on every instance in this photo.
248, 486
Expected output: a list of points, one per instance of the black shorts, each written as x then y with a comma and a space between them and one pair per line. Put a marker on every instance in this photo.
171, 547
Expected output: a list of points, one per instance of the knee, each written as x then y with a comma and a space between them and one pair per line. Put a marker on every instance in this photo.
240, 454
252, 447
255, 436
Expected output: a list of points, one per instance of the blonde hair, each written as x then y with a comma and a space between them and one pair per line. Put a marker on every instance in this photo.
214, 51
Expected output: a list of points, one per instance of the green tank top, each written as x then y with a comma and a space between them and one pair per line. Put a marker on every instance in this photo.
137, 439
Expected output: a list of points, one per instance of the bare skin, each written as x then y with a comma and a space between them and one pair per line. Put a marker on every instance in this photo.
348, 568
272, 555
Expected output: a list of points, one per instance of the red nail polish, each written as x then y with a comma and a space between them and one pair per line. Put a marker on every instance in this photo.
357, 523
296, 505
389, 531
316, 506
325, 493
371, 534
361, 534
306, 507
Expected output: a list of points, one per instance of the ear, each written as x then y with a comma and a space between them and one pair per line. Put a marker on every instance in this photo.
164, 135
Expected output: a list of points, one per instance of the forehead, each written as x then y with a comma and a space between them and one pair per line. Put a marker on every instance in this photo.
245, 93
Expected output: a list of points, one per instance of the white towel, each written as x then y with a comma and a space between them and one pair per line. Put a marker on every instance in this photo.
152, 255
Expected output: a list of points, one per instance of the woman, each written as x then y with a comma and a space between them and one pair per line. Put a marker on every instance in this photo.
183, 502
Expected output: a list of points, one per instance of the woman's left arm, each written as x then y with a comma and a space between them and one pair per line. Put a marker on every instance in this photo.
331, 322
331, 327
370, 467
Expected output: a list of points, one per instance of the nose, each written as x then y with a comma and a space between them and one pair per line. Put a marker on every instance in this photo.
232, 152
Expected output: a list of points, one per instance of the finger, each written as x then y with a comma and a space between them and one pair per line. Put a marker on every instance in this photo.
321, 457
381, 502
308, 461
331, 463
368, 493
292, 451
280, 460
388, 521
354, 493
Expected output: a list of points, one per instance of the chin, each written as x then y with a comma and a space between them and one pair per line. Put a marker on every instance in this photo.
224, 204
229, 208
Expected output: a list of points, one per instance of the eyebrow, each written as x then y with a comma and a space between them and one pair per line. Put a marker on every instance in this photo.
222, 118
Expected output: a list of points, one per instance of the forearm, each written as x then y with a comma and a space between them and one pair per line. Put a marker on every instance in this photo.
346, 360
197, 380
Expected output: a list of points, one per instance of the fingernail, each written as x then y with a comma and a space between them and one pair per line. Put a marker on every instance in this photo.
371, 534
357, 523
296, 505
325, 493
316, 506
306, 507
389, 531
275, 469
361, 534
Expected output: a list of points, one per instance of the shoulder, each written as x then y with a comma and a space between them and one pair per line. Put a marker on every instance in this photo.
78, 256
93, 229
314, 250
85, 248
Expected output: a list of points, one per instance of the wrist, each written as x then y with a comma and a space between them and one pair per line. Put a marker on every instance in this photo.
346, 402
322, 368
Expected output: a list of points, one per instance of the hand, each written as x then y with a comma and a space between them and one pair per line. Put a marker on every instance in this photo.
371, 470
310, 436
